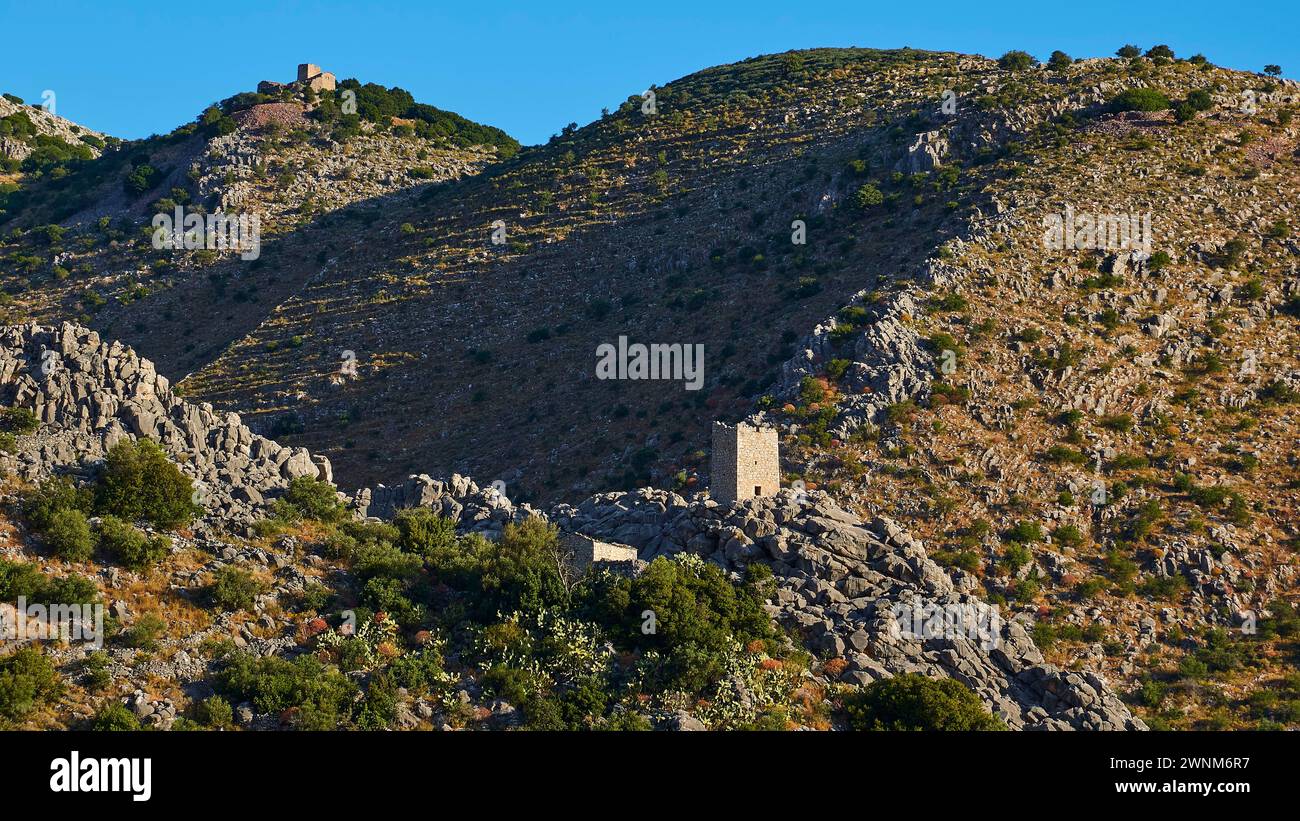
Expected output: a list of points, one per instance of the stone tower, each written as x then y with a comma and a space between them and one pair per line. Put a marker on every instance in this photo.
312, 77
745, 462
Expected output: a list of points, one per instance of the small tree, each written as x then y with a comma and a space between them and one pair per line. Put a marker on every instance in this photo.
113, 717
139, 482
128, 546
1160, 52
1016, 60
1059, 60
1273, 70
69, 535
234, 589
868, 196
314, 499
1128, 52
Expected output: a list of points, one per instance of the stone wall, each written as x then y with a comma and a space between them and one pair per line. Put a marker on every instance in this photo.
584, 551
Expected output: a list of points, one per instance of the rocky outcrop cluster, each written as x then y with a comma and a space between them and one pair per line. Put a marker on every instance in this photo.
89, 394
863, 592
483, 510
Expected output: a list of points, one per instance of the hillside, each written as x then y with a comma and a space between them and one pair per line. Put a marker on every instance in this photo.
1094, 432
251, 599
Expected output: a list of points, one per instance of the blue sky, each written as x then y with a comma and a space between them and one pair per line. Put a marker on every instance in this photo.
132, 69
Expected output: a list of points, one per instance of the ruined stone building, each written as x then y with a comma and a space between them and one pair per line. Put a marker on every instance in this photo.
309, 76
745, 462
312, 77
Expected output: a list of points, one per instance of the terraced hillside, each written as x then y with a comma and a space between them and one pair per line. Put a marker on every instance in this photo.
671, 227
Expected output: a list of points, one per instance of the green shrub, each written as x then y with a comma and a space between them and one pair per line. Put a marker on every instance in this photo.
128, 546
698, 614
18, 421
27, 680
68, 535
1140, 99
95, 666
214, 712
914, 702
867, 196
1016, 60
313, 499
425, 533
1025, 532
144, 634
234, 589
54, 494
320, 696
139, 482
519, 572
114, 717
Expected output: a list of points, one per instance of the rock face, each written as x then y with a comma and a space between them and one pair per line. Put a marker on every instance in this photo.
865, 592
474, 509
89, 394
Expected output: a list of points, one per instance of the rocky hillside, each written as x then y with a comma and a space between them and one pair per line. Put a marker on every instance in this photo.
204, 624
27, 129
1028, 332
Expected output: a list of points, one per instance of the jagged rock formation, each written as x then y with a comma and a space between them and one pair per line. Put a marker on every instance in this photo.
89, 394
845, 584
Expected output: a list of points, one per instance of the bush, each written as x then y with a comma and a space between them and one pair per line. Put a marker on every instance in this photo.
425, 533
1059, 60
319, 696
234, 589
68, 535
698, 614
27, 680
1016, 60
144, 634
314, 499
139, 482
128, 546
1025, 533
141, 179
114, 717
26, 580
914, 702
18, 421
520, 571
868, 196
214, 712
1140, 99
54, 494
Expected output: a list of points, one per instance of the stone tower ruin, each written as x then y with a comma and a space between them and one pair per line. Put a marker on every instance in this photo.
311, 76
745, 462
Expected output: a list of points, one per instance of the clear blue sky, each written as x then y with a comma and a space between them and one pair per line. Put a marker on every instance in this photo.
132, 69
